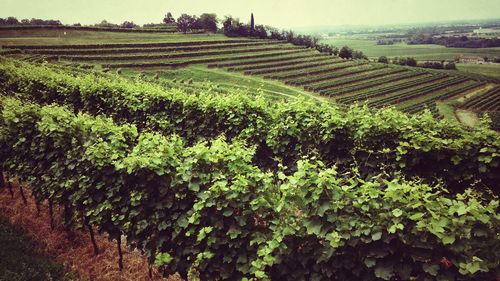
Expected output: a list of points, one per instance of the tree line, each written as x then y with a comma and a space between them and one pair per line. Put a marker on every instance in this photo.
409, 61
233, 27
455, 41
33, 21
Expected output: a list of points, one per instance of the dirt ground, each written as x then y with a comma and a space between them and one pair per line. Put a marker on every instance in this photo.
76, 254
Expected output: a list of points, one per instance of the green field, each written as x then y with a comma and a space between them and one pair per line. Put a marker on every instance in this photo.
55, 36
492, 70
233, 80
419, 52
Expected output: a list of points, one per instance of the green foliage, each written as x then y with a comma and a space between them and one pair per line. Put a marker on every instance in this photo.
373, 141
207, 210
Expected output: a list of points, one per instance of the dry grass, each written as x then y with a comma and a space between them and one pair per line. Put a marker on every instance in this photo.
76, 254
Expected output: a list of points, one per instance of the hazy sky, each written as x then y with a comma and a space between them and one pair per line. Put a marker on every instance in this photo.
279, 13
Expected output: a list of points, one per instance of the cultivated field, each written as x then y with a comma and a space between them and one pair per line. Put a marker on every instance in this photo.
420, 52
280, 69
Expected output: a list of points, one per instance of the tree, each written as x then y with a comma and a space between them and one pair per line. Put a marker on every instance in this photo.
168, 19
450, 65
252, 23
345, 53
260, 32
128, 24
208, 22
228, 26
411, 61
185, 22
358, 55
11, 21
383, 59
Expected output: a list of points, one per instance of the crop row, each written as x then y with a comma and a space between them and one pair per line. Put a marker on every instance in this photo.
491, 103
480, 99
206, 59
394, 77
177, 55
337, 74
207, 208
323, 87
294, 67
214, 46
309, 126
277, 58
267, 65
400, 97
419, 107
390, 89
129, 45
430, 103
314, 71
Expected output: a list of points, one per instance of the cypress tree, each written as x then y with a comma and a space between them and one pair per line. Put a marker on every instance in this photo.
252, 23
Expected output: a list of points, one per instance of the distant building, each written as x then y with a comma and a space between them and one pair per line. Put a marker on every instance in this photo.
471, 59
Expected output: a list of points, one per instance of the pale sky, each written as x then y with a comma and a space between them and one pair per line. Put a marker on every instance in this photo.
279, 13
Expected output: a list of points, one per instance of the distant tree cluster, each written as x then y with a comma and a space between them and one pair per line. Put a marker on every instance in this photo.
191, 23
168, 19
348, 53
233, 27
33, 21
383, 59
405, 61
388, 41
455, 41
128, 24
125, 24
438, 65
413, 62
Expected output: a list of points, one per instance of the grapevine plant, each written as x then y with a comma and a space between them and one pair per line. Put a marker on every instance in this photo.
282, 132
207, 211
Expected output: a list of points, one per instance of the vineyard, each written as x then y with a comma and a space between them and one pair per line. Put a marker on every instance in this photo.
346, 82
219, 186
361, 178
489, 101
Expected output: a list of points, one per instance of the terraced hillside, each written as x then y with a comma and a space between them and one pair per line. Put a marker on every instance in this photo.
345, 81
488, 101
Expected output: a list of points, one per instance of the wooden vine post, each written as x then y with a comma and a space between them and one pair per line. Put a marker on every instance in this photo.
120, 254
21, 191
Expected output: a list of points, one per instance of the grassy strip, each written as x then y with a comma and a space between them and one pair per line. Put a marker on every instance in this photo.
21, 261
178, 54
216, 45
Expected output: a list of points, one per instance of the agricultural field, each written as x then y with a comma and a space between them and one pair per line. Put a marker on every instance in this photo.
277, 68
420, 52
220, 158
491, 70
